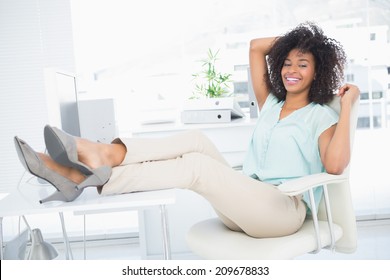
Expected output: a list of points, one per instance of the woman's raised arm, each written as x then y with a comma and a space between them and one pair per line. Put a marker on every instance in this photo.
259, 48
335, 141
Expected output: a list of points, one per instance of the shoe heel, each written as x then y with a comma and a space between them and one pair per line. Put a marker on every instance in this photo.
103, 173
56, 196
99, 177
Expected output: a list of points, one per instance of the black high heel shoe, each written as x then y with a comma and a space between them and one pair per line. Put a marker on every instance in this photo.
67, 190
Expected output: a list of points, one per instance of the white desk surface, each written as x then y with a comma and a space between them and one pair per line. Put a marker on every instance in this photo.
25, 200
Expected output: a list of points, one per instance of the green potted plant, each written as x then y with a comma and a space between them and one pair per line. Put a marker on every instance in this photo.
211, 101
209, 82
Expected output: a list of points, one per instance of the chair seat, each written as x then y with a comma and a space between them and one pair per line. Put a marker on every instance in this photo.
210, 239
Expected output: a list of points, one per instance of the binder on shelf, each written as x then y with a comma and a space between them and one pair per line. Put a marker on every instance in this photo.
206, 116
211, 110
253, 107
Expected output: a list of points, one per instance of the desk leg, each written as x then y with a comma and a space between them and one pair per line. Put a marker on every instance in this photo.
165, 232
1, 239
68, 250
84, 237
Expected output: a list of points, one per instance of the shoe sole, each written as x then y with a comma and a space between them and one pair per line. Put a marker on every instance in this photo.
58, 152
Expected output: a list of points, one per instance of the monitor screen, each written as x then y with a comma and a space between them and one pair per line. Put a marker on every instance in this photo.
61, 95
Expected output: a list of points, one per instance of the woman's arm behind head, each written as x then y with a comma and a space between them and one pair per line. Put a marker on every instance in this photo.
259, 49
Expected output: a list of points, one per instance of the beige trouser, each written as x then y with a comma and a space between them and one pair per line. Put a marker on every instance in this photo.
189, 160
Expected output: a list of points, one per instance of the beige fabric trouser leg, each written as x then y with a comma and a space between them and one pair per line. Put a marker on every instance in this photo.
189, 160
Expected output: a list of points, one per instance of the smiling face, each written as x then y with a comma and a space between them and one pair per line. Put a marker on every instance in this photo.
298, 72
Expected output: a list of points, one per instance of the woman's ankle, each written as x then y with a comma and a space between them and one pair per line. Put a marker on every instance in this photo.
89, 153
96, 155
116, 154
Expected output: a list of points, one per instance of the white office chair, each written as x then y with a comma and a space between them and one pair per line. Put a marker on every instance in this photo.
334, 227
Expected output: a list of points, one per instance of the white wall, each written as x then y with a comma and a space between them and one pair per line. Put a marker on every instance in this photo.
33, 35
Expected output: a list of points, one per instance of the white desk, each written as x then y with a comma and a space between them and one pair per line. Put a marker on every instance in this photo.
26, 202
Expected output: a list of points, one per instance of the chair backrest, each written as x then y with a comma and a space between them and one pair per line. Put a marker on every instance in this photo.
340, 195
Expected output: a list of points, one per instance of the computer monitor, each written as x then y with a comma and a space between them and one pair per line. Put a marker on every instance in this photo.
61, 95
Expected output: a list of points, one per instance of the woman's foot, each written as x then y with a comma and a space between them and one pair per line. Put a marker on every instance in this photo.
80, 153
99, 177
63, 179
68, 181
70, 173
96, 155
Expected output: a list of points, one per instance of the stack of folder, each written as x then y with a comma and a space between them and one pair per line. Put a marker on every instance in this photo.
211, 110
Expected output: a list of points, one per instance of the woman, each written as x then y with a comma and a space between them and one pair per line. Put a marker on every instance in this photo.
305, 67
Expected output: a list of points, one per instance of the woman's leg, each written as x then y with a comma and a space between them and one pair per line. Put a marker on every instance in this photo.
257, 208
141, 150
189, 161
124, 151
243, 203
169, 147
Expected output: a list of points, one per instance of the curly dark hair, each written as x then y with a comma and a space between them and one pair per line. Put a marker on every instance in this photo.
329, 58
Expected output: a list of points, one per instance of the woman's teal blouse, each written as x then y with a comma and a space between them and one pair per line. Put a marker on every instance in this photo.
285, 149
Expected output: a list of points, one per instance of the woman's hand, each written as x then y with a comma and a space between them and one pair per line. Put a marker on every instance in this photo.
348, 94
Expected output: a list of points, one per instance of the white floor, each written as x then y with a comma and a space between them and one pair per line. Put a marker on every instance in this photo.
373, 244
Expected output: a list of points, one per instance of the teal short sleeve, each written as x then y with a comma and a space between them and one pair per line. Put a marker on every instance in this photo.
281, 150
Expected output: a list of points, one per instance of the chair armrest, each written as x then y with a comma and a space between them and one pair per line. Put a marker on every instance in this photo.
300, 185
